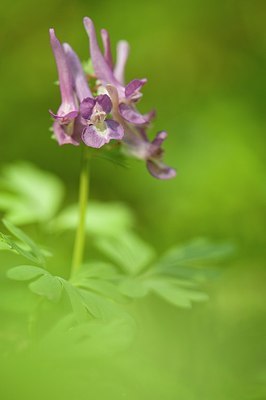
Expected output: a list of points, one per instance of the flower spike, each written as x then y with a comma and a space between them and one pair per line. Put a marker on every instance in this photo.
109, 112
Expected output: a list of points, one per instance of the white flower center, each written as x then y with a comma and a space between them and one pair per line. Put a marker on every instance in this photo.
98, 117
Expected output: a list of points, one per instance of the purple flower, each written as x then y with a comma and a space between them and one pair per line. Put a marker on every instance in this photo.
128, 95
68, 111
112, 114
99, 129
155, 164
140, 147
137, 144
88, 122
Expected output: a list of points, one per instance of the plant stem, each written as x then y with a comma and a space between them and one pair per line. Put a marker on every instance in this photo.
79, 244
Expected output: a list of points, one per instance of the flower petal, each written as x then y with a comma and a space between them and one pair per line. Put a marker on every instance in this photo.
135, 146
61, 137
86, 107
134, 86
105, 102
102, 70
155, 146
92, 138
115, 130
96, 138
131, 115
122, 52
159, 170
113, 93
80, 81
107, 47
64, 74
64, 118
150, 116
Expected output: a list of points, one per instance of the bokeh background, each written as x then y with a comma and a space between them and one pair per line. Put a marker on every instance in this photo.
205, 62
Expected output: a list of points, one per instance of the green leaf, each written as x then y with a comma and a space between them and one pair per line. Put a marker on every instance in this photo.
19, 234
8, 243
176, 295
128, 251
97, 269
3, 243
187, 261
25, 272
79, 308
29, 194
101, 278
133, 287
100, 307
101, 220
97, 306
102, 287
48, 286
197, 251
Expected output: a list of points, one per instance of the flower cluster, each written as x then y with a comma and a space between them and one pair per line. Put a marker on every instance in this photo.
108, 112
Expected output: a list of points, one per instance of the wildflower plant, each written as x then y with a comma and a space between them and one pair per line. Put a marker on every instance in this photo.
84, 114
98, 112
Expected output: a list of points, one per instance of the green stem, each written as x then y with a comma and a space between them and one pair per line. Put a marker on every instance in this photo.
79, 244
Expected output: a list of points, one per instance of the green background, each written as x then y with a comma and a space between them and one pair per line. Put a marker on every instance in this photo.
206, 63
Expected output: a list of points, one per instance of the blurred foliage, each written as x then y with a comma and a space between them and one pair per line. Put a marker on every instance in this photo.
174, 277
205, 62
28, 194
